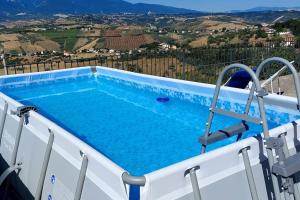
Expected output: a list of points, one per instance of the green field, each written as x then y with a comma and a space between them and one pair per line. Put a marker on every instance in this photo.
65, 38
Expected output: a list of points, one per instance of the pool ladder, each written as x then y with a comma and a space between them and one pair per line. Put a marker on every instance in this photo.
286, 166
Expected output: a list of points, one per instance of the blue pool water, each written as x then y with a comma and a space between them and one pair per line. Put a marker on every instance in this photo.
126, 122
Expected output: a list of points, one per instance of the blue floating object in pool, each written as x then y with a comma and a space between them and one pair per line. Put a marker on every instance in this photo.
163, 99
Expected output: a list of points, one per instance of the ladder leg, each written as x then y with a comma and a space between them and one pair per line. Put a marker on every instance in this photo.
44, 166
3, 119
81, 178
208, 126
249, 174
287, 154
270, 154
273, 176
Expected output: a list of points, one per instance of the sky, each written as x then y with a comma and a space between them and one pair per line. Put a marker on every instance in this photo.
222, 5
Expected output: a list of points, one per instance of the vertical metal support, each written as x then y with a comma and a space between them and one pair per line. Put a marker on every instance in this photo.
194, 181
17, 140
82, 175
44, 166
3, 119
249, 173
287, 154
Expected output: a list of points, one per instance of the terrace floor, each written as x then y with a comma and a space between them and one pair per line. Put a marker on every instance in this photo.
286, 84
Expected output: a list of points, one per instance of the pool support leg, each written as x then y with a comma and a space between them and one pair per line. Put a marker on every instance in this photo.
3, 119
249, 173
82, 175
194, 181
44, 166
17, 140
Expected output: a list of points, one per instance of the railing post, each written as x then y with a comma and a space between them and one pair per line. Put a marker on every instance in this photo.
183, 66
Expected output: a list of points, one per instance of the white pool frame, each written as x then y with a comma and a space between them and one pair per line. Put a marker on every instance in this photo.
221, 175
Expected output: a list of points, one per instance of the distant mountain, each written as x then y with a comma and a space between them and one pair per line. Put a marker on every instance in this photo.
12, 7
262, 9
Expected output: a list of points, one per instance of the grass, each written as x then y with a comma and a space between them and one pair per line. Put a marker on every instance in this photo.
65, 38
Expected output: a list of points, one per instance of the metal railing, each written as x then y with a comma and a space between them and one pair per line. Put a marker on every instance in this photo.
200, 64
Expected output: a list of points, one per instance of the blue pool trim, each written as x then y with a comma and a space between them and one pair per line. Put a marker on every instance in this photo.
134, 192
44, 76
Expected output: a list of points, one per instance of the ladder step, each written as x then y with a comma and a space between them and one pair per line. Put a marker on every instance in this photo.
223, 134
288, 167
237, 115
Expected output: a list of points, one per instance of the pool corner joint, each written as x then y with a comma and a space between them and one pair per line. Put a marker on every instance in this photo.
133, 180
22, 110
93, 69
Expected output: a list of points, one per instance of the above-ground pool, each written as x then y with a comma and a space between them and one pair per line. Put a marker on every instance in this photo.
141, 127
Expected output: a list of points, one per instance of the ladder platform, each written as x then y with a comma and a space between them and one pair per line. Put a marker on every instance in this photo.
225, 133
244, 117
288, 167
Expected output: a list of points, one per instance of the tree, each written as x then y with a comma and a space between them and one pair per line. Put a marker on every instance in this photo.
261, 34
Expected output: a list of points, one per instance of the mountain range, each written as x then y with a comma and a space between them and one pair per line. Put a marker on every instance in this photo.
13, 7
9, 8
262, 9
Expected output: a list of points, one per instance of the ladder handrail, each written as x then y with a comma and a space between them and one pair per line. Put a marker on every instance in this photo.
275, 75
288, 65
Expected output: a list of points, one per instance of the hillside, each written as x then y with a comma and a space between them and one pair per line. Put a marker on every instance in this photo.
49, 7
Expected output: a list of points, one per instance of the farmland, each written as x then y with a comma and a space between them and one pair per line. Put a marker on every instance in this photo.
127, 42
66, 39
